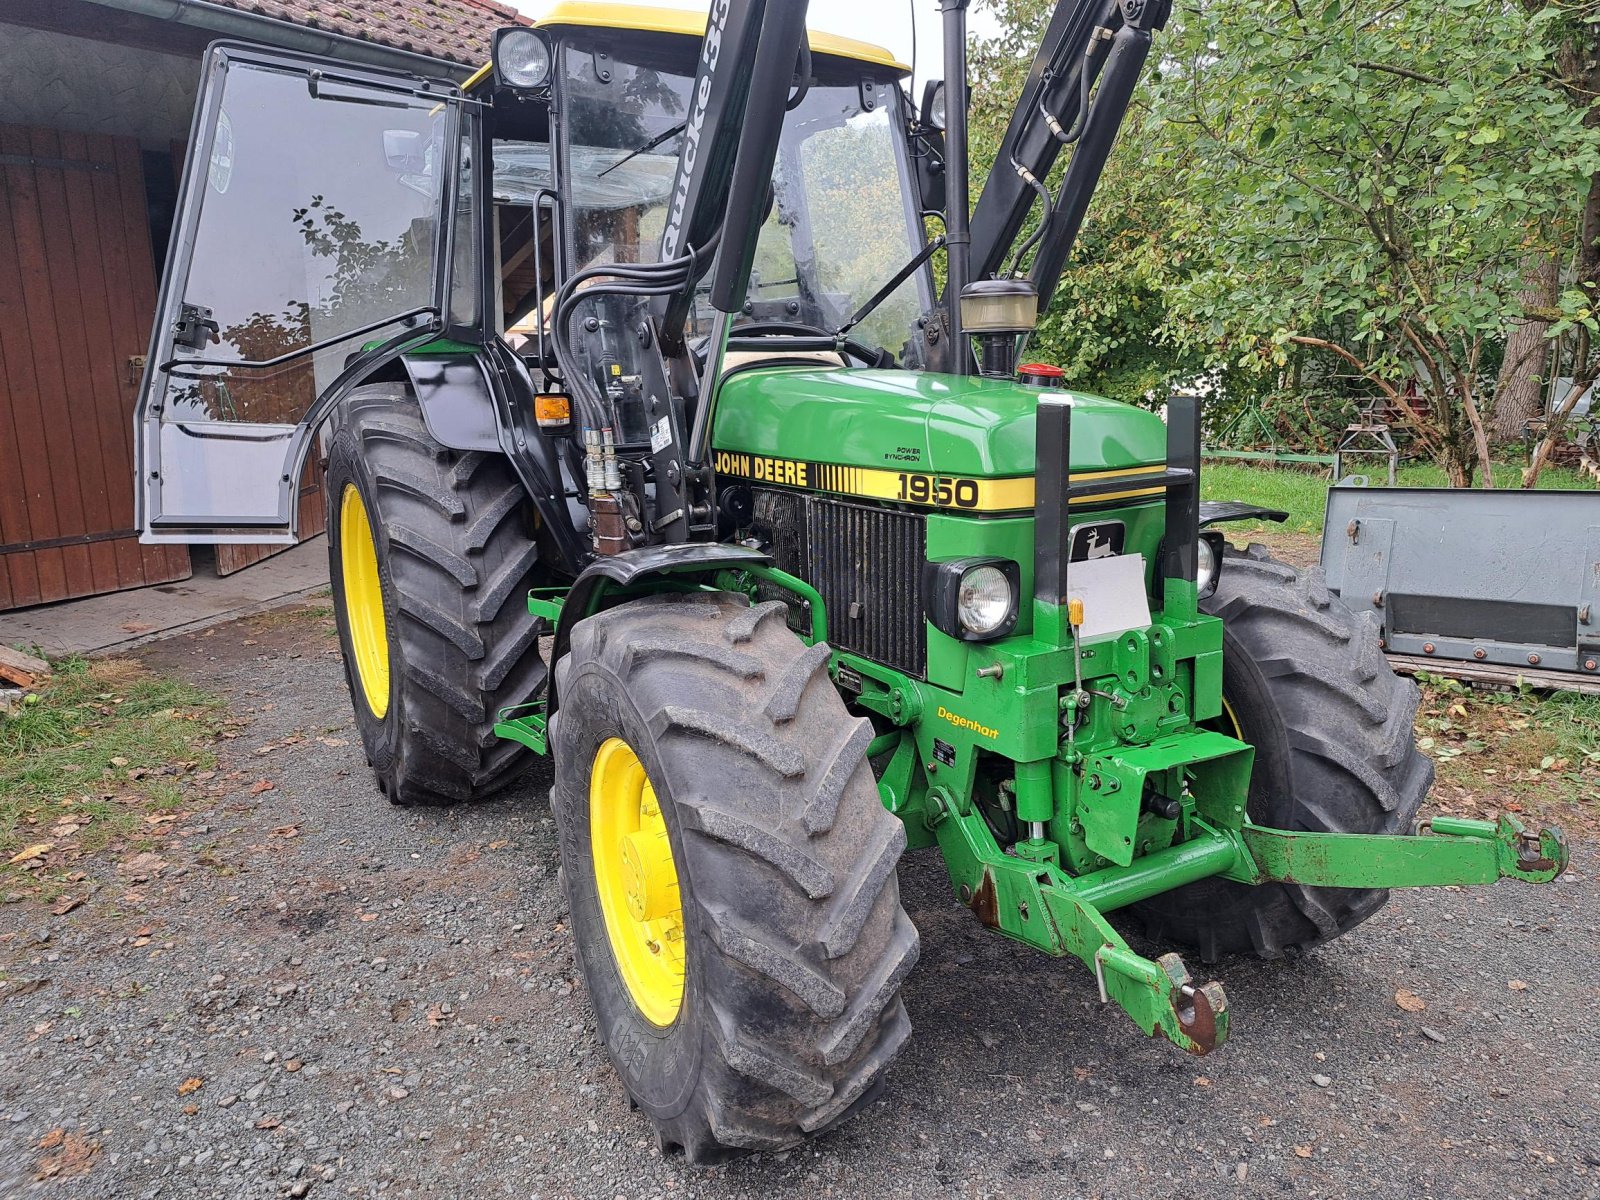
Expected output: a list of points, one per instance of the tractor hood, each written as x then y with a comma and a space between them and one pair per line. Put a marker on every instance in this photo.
947, 425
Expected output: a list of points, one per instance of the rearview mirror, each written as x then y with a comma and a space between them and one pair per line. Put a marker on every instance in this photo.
932, 112
404, 151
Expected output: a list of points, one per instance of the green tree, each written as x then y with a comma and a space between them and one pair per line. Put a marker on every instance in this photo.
1366, 180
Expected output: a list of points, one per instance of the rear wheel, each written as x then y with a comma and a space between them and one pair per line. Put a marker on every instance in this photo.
1306, 684
431, 553
730, 872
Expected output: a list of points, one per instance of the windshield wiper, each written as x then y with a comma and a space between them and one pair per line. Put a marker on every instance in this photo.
883, 293
648, 146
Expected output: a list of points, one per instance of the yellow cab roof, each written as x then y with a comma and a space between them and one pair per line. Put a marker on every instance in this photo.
647, 18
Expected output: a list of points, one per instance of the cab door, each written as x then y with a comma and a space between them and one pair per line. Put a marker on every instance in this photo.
311, 245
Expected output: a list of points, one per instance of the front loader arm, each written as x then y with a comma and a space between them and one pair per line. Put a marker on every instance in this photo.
1097, 46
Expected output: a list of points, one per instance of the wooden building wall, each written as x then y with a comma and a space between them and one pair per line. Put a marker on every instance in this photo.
77, 298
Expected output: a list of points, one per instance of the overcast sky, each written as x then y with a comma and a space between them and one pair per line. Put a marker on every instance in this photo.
884, 22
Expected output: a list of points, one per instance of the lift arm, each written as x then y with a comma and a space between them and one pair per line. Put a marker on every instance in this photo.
730, 140
1094, 50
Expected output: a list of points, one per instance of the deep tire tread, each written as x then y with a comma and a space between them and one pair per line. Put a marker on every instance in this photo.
459, 553
1353, 765
790, 858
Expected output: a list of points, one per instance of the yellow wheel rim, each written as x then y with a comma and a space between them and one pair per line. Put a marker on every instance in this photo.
1228, 722
363, 601
636, 879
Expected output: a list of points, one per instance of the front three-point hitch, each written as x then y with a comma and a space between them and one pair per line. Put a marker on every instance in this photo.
1040, 904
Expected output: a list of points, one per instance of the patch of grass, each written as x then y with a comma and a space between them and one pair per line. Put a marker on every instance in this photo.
1302, 492
105, 744
1523, 751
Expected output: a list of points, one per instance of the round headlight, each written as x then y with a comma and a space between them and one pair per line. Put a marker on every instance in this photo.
1206, 564
522, 58
985, 600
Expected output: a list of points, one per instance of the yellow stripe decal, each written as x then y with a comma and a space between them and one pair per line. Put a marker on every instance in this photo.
956, 492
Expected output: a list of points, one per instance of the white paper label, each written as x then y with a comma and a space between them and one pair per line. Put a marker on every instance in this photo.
1113, 595
660, 435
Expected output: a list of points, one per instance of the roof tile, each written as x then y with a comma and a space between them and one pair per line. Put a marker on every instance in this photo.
456, 30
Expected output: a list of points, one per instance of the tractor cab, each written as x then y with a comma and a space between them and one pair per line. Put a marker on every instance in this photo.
341, 218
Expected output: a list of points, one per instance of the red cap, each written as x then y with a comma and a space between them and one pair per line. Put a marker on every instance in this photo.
1042, 374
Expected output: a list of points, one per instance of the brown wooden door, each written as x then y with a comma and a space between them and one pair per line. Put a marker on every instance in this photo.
77, 296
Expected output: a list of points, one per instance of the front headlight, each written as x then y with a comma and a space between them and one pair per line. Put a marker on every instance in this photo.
983, 600
974, 599
1208, 563
521, 58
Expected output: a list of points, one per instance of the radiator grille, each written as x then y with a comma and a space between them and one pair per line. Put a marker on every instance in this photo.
866, 562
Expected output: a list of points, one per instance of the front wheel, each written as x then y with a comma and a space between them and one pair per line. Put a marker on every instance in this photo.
730, 871
431, 553
1305, 683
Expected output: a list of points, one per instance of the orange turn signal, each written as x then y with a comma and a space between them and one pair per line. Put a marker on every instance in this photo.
552, 410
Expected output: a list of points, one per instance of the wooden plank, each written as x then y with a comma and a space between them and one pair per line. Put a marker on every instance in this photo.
76, 416
19, 578
22, 264
97, 398
22, 669
124, 340
1495, 675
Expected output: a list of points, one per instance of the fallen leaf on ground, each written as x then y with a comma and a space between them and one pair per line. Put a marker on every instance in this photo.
22, 987
65, 905
136, 627
286, 831
119, 761
500, 845
1302, 1151
143, 865
191, 1109
1516, 985
368, 917
74, 1158
1201, 1081
262, 785
270, 1121
193, 1084
333, 741
1410, 1001
53, 1139
161, 818
34, 851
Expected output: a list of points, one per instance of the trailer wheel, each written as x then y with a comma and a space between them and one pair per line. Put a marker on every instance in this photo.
1305, 683
430, 553
730, 873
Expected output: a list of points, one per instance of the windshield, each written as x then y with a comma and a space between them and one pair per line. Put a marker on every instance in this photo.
842, 222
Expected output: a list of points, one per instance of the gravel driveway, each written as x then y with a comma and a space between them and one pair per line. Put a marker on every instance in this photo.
312, 993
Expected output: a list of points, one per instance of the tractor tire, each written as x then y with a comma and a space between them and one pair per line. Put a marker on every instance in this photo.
1305, 683
790, 943
430, 553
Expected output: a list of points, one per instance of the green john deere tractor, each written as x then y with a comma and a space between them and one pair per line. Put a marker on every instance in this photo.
652, 446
